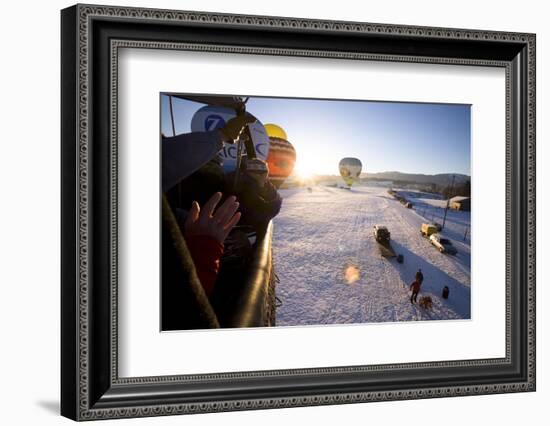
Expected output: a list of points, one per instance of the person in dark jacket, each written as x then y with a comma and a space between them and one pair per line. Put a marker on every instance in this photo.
259, 200
419, 276
415, 288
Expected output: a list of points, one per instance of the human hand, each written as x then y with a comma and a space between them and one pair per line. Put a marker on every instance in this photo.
234, 127
217, 225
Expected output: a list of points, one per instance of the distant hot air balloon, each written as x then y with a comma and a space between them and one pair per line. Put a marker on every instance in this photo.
281, 157
350, 169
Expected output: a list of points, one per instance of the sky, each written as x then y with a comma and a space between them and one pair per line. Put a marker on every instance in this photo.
385, 136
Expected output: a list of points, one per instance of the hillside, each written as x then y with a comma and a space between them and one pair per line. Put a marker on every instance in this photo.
439, 179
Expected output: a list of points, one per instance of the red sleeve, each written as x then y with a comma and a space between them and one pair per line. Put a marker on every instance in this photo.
206, 252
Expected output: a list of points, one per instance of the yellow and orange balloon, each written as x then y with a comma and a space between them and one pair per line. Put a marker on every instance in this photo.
282, 155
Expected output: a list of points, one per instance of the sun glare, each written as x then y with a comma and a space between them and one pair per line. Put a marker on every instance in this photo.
312, 161
303, 175
304, 170
351, 274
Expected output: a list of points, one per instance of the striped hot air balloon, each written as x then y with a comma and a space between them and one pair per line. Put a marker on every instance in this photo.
350, 169
281, 157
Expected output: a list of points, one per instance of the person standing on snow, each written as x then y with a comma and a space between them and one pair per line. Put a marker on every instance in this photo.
415, 287
419, 277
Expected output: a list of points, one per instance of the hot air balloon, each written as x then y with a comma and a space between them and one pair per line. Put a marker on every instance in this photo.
350, 169
281, 157
275, 131
213, 117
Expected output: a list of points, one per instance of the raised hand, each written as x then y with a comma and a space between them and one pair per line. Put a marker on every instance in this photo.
216, 224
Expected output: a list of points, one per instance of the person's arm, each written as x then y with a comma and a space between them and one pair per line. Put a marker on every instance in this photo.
205, 232
184, 154
271, 199
263, 203
206, 252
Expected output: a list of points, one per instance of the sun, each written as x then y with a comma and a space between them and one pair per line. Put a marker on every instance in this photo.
303, 175
303, 172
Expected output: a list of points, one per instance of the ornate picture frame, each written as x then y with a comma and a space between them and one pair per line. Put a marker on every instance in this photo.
91, 38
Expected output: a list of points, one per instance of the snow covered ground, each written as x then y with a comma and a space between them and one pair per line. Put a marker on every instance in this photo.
331, 270
432, 208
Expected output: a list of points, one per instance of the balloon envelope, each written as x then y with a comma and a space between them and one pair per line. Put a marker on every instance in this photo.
275, 131
280, 160
350, 169
210, 118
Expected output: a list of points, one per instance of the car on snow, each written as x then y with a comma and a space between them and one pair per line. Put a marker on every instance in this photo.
381, 233
428, 229
444, 245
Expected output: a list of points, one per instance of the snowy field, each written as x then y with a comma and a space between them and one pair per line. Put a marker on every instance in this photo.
331, 270
432, 208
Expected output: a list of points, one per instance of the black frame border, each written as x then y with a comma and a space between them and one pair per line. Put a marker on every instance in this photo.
90, 387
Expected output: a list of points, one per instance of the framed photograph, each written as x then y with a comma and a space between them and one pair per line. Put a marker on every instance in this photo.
263, 212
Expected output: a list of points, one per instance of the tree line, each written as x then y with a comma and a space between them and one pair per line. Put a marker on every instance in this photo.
460, 189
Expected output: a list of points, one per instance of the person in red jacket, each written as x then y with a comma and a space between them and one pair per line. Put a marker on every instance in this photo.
205, 231
415, 287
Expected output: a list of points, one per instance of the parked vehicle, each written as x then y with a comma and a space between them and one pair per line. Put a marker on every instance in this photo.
382, 237
438, 226
381, 233
442, 244
428, 229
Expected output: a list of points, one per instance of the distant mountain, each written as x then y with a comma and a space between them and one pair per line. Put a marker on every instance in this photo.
442, 179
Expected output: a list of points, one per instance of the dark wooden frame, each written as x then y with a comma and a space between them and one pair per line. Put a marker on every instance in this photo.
90, 386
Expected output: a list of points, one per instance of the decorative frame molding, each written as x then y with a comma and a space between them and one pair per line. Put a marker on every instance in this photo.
91, 37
